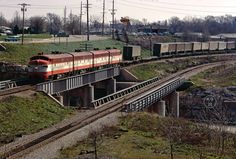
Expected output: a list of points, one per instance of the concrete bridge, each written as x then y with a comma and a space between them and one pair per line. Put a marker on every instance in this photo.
96, 89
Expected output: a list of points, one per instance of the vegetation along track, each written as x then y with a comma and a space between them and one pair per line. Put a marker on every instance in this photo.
25, 148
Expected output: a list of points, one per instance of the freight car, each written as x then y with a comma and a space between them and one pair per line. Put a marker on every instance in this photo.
51, 66
191, 48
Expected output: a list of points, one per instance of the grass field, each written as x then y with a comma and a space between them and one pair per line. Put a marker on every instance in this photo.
2, 37
221, 76
162, 69
146, 136
37, 36
21, 116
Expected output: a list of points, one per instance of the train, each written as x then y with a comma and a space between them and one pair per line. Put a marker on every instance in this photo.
57, 65
191, 48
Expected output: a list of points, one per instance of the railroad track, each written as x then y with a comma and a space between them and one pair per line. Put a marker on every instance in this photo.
32, 87
16, 90
113, 106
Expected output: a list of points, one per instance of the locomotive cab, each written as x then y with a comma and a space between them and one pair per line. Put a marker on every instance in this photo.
38, 67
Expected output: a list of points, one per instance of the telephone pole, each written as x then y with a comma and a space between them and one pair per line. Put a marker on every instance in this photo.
103, 18
65, 10
23, 9
113, 18
81, 14
88, 30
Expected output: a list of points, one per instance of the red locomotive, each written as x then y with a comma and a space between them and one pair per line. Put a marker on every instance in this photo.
47, 66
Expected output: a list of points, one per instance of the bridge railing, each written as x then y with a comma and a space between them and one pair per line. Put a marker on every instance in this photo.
73, 82
149, 98
7, 84
122, 93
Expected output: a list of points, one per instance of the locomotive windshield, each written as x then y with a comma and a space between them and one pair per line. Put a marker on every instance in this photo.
39, 57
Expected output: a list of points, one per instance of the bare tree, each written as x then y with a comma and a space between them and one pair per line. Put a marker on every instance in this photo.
54, 23
37, 24
97, 138
73, 24
96, 23
16, 20
3, 21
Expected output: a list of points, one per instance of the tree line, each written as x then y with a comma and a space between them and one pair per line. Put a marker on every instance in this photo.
53, 23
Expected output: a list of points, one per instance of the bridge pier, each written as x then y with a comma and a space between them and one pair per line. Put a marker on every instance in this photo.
174, 104
161, 108
88, 95
111, 86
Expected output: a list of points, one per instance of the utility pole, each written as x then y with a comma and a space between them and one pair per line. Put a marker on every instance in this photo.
113, 19
81, 14
88, 30
103, 18
23, 9
65, 19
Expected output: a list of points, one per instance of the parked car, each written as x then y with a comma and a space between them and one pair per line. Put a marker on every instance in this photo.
12, 38
62, 34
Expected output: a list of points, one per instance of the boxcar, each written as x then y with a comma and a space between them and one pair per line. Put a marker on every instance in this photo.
180, 47
197, 46
213, 45
188, 47
131, 52
222, 45
160, 48
172, 47
205, 46
230, 45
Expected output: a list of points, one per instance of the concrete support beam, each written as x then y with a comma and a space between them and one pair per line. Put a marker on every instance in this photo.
174, 104
88, 95
111, 86
161, 108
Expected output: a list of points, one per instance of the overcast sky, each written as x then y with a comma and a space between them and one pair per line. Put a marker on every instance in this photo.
153, 10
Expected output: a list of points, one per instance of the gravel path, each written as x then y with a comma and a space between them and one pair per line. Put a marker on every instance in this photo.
52, 150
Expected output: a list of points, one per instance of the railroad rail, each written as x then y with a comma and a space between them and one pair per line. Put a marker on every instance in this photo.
109, 107
16, 90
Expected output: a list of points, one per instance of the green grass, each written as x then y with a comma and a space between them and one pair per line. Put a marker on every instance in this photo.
216, 77
148, 71
2, 37
147, 136
21, 116
37, 36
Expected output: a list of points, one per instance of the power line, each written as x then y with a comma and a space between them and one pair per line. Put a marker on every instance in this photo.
126, 3
191, 5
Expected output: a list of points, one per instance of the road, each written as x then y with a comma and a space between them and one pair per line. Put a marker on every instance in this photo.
72, 38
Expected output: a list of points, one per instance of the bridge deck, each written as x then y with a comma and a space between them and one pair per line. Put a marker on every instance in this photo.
73, 82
